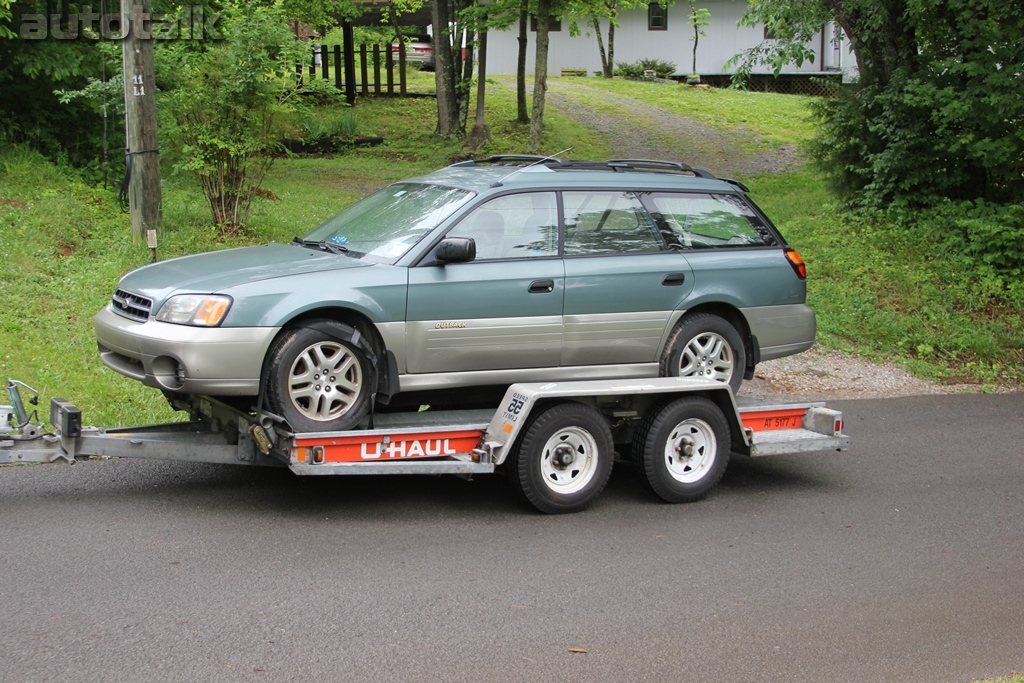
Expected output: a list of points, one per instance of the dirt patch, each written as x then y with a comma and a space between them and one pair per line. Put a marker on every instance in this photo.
14, 203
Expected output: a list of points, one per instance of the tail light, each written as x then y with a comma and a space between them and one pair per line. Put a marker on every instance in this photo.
797, 261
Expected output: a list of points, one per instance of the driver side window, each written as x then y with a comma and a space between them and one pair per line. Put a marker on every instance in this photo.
514, 226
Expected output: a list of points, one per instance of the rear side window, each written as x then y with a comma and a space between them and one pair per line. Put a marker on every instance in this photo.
608, 223
705, 221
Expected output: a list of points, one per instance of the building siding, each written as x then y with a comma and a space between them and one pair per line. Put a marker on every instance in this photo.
633, 41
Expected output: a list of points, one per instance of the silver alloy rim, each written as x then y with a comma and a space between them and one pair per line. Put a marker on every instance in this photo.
569, 460
325, 381
690, 450
707, 355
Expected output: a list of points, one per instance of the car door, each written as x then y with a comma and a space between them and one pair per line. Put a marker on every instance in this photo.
622, 283
502, 310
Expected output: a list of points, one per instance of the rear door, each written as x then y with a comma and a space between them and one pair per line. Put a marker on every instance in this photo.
622, 283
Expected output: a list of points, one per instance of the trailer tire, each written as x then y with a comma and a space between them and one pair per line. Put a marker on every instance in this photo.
564, 458
320, 377
680, 451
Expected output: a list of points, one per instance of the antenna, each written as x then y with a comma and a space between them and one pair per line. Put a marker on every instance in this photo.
498, 182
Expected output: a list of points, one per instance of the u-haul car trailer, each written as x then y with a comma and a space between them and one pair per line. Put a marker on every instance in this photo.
557, 441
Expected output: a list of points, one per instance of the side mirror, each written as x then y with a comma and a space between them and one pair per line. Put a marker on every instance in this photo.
455, 250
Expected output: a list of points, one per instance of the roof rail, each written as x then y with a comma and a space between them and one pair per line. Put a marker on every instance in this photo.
655, 165
524, 159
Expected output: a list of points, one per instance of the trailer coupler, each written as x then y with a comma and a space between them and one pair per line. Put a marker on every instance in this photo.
215, 433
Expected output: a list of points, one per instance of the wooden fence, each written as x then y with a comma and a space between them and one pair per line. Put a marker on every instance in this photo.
372, 61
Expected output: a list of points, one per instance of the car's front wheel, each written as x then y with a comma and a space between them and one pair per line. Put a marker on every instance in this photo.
320, 377
707, 346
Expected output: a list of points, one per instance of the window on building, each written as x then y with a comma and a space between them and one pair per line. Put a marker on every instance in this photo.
657, 17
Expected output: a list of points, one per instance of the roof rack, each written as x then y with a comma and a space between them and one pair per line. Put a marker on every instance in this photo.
515, 159
616, 165
656, 165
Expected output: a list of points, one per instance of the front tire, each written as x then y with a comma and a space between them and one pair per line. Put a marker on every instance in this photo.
680, 451
705, 346
318, 379
563, 459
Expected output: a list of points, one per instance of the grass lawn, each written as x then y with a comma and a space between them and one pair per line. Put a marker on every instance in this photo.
64, 245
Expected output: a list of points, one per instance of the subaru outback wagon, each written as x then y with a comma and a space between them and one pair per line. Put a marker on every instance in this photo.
510, 269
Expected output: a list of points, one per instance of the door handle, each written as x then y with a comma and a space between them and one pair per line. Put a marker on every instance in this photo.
542, 286
673, 279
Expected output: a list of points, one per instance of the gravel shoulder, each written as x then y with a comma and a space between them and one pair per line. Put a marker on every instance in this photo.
818, 375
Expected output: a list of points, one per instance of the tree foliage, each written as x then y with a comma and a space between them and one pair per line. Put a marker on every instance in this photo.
937, 110
225, 104
936, 117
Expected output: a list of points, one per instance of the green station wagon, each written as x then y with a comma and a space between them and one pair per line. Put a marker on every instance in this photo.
510, 269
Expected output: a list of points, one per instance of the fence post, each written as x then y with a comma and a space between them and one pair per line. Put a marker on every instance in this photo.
389, 67
323, 61
364, 68
350, 61
337, 66
376, 69
401, 67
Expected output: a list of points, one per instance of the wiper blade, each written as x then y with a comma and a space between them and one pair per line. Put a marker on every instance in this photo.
322, 245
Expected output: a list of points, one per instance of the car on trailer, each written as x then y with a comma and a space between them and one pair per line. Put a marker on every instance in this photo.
510, 269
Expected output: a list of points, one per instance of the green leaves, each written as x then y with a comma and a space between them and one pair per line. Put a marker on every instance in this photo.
226, 106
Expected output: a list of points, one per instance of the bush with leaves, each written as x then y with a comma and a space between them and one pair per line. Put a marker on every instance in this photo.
227, 105
663, 68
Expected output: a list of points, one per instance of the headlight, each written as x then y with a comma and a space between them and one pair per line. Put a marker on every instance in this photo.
202, 310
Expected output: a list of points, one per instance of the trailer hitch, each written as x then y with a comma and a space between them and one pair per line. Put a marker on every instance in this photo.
15, 419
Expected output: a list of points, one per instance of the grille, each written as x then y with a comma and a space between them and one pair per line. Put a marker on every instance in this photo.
131, 305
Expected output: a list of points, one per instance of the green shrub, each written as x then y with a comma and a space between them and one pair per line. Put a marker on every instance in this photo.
229, 105
663, 68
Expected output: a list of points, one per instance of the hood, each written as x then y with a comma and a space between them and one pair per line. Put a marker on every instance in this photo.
219, 271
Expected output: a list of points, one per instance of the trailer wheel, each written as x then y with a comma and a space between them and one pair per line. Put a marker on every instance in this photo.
680, 451
564, 458
317, 381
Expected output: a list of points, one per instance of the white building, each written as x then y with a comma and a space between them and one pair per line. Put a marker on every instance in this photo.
662, 33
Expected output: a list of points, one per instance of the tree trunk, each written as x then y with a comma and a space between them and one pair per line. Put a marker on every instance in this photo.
480, 134
540, 79
891, 44
596, 23
609, 71
523, 116
444, 70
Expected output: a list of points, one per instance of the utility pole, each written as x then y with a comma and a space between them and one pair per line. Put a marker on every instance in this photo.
142, 154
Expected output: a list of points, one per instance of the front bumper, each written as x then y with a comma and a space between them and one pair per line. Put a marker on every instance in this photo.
220, 361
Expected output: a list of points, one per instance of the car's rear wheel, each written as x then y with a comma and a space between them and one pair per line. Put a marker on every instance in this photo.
320, 377
706, 346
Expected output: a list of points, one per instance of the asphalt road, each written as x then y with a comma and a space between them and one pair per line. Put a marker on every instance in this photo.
899, 560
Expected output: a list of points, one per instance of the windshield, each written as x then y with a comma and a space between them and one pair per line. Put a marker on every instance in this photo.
385, 225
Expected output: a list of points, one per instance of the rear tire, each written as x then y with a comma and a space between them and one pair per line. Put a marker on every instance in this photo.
705, 346
564, 458
319, 381
680, 451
